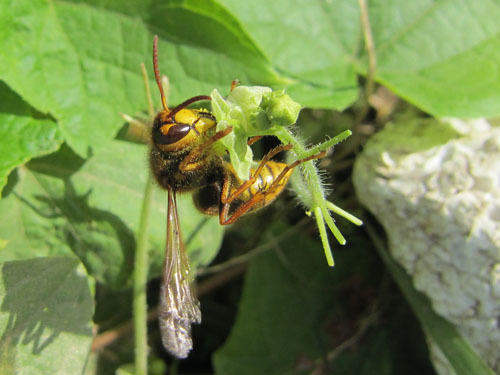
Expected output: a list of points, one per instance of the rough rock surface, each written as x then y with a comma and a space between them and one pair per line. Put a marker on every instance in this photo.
437, 194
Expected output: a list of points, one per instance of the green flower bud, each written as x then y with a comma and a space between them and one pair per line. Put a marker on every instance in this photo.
280, 108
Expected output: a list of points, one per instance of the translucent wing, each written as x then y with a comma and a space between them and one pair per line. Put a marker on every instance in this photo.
179, 306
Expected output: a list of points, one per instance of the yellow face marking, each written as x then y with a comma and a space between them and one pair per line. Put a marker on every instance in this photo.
184, 129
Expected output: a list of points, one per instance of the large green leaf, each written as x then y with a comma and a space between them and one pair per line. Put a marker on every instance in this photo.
45, 317
61, 205
283, 309
83, 79
443, 56
79, 61
22, 136
311, 43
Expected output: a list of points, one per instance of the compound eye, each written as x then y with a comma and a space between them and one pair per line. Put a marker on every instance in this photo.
170, 133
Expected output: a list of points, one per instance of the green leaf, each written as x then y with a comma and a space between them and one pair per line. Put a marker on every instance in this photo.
281, 313
81, 79
216, 30
45, 317
22, 136
378, 357
409, 134
441, 56
456, 349
61, 205
310, 43
84, 79
271, 319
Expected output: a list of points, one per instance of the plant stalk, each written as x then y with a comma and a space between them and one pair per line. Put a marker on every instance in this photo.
140, 282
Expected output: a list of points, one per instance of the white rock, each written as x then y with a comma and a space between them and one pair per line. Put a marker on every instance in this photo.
440, 207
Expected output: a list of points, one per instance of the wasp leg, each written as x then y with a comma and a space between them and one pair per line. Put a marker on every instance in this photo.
224, 207
290, 167
253, 177
235, 83
191, 162
226, 186
252, 140
225, 219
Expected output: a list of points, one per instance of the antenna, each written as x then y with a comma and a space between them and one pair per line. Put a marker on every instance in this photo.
157, 73
188, 102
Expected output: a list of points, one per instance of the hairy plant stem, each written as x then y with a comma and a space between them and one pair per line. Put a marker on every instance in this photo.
310, 189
